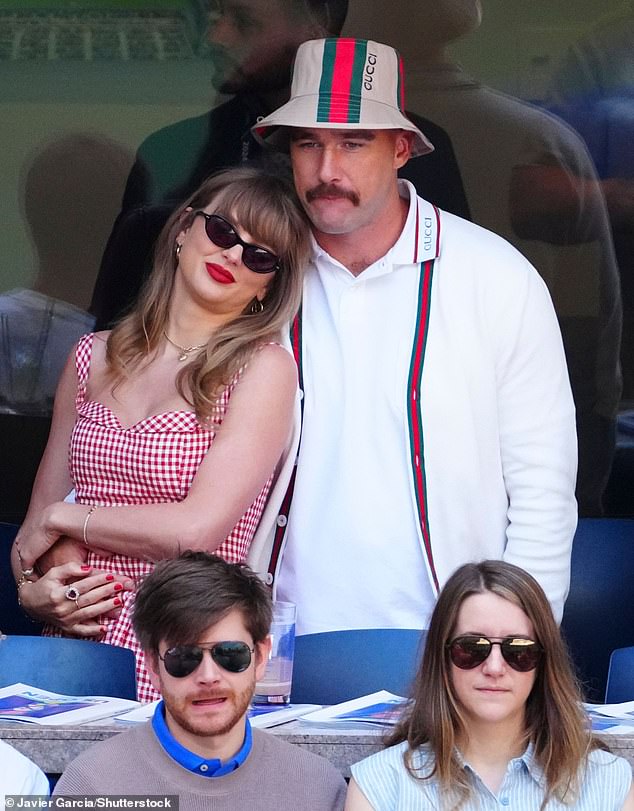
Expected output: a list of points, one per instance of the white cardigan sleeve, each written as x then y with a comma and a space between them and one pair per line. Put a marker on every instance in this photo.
536, 419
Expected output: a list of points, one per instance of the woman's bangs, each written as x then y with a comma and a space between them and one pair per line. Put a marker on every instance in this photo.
260, 215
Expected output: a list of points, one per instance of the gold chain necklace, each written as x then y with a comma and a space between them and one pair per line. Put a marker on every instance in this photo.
184, 350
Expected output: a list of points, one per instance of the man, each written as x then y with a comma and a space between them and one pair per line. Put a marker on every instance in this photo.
203, 624
438, 423
253, 43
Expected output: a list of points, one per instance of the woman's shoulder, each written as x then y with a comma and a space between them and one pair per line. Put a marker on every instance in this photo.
607, 774
272, 359
388, 784
392, 759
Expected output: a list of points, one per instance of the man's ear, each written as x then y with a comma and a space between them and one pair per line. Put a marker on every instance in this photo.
402, 147
262, 655
152, 664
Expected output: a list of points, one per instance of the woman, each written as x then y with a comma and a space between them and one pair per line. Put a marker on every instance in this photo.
176, 419
496, 717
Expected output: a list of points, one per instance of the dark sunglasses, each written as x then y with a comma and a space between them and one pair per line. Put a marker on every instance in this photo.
182, 660
224, 235
521, 654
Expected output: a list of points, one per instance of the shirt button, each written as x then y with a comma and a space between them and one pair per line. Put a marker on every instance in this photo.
504, 801
204, 767
281, 520
301, 394
268, 579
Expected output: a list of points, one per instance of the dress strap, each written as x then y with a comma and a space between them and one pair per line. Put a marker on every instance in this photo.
83, 355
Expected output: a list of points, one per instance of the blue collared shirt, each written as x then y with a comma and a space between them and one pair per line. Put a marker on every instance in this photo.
191, 761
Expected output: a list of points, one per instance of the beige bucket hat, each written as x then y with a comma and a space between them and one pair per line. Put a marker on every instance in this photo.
342, 83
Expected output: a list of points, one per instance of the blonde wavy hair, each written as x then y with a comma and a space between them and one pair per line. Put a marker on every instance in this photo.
555, 721
264, 205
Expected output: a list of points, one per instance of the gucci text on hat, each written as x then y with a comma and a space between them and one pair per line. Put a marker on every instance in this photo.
342, 83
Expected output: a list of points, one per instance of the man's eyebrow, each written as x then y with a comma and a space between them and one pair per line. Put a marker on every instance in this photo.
297, 134
358, 135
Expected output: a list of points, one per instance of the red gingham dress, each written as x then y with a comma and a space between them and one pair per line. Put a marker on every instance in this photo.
154, 461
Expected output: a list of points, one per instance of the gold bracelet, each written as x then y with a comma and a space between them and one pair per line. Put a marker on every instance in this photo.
19, 583
86, 520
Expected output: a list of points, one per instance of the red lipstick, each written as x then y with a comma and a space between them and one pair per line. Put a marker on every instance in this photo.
219, 274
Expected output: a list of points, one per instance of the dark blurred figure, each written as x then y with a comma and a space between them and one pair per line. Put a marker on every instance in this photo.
252, 45
529, 178
593, 89
70, 193
70, 190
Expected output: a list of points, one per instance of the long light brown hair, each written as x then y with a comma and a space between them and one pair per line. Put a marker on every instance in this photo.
264, 205
554, 719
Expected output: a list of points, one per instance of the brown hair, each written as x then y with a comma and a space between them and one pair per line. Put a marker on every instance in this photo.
555, 722
184, 596
266, 206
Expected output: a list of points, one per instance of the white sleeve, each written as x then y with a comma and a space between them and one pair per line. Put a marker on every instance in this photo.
19, 775
537, 438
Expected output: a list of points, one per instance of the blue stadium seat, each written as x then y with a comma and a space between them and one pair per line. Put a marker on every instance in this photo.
339, 665
620, 685
70, 666
599, 611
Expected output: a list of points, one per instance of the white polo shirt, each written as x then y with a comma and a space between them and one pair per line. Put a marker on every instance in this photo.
481, 447
358, 523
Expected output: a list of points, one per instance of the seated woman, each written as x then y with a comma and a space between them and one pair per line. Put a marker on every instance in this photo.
496, 719
171, 426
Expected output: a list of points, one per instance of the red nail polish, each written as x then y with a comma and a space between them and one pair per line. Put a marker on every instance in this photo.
86, 568
109, 577
118, 586
117, 601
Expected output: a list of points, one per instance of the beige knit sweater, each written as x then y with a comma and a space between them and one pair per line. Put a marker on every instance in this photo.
276, 776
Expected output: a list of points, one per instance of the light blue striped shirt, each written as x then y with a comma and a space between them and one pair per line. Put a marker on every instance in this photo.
388, 786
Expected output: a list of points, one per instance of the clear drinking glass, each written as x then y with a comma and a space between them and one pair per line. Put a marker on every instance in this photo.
275, 686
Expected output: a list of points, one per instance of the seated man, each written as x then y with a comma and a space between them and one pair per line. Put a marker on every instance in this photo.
204, 624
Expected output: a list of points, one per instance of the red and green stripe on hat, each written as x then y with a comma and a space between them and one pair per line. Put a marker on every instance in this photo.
347, 71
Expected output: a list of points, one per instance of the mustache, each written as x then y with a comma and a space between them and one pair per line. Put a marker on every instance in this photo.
330, 190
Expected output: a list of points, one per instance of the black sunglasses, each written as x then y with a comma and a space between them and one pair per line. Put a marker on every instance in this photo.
182, 660
224, 235
521, 654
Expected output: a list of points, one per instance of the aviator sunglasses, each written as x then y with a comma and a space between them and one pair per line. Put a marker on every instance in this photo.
467, 652
182, 660
224, 235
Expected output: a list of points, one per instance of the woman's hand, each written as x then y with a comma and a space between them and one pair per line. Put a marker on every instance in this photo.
34, 540
99, 598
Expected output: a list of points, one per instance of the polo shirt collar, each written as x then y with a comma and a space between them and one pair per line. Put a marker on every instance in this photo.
191, 761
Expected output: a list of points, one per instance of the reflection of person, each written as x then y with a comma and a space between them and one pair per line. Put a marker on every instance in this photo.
68, 224
37, 332
438, 422
252, 46
593, 89
166, 449
204, 626
253, 43
497, 715
529, 178
19, 775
